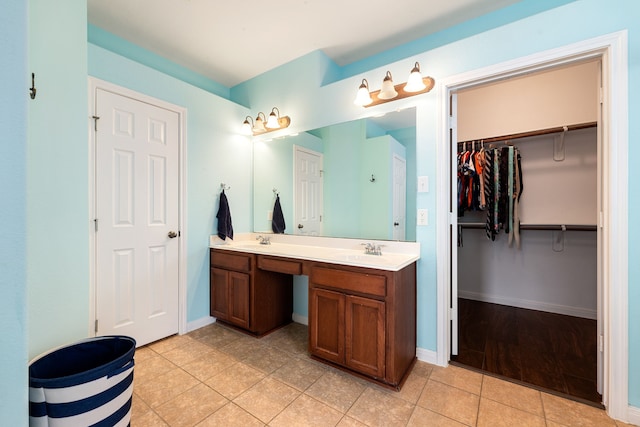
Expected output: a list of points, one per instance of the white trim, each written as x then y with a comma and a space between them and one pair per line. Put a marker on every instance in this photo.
304, 320
200, 323
428, 356
585, 313
613, 50
634, 415
95, 84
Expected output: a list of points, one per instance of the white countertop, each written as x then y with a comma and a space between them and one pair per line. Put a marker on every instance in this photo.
395, 255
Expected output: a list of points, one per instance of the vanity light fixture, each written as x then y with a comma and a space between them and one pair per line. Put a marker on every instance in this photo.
263, 125
415, 85
387, 91
363, 97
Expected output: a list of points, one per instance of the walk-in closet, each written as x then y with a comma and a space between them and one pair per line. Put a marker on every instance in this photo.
527, 264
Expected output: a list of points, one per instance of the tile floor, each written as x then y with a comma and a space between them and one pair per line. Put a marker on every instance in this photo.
216, 376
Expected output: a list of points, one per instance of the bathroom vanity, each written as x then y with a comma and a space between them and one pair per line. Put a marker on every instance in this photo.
362, 308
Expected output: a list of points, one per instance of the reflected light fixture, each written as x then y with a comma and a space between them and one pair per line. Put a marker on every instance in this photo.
263, 125
387, 91
363, 97
415, 85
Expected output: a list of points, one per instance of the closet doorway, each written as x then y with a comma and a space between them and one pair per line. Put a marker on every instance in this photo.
526, 269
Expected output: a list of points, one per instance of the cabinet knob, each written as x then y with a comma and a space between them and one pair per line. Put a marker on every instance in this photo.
172, 234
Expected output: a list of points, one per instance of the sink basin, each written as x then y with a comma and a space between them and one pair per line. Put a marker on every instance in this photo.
252, 247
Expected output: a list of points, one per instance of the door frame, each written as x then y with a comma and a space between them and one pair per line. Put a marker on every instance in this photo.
94, 85
612, 50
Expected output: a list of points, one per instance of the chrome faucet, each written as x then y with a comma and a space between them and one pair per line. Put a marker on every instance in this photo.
264, 240
372, 249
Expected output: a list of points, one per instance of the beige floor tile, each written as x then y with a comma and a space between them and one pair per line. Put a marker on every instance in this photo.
165, 387
347, 421
299, 373
422, 369
143, 353
450, 401
235, 380
376, 408
149, 419
621, 424
209, 364
568, 412
494, 414
337, 390
461, 378
243, 347
187, 353
423, 417
218, 336
231, 415
514, 395
267, 399
308, 412
412, 388
268, 359
170, 343
138, 406
191, 407
151, 368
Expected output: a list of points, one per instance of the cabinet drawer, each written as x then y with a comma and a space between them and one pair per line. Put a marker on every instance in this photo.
349, 281
279, 265
231, 261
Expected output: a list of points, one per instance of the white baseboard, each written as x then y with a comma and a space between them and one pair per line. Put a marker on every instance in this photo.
529, 304
428, 356
200, 323
300, 319
634, 415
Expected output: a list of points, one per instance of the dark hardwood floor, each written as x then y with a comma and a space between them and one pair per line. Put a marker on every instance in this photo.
546, 350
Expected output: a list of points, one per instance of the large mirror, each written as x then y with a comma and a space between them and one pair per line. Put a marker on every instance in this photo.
355, 179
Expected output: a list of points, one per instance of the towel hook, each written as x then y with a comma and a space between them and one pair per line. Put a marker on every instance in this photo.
224, 186
275, 191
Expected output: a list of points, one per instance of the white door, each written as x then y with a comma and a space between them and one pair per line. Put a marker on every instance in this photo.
399, 197
137, 180
308, 191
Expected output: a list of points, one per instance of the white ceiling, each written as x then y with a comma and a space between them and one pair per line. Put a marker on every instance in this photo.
234, 40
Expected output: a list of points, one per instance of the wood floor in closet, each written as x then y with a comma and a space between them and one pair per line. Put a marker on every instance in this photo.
546, 350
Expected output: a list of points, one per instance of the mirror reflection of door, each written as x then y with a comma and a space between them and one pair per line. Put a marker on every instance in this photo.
308, 192
399, 197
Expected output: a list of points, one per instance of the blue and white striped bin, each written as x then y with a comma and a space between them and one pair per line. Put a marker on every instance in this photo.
89, 383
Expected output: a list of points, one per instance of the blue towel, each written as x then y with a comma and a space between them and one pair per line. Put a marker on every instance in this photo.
277, 219
225, 228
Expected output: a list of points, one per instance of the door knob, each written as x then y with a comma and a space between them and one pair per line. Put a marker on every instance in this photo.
172, 234
395, 224
300, 226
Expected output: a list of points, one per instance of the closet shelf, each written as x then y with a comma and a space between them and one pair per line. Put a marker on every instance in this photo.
535, 133
553, 227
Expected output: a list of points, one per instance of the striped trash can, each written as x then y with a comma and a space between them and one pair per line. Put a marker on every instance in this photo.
89, 383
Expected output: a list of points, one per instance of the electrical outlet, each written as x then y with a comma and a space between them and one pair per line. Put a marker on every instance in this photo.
423, 217
423, 184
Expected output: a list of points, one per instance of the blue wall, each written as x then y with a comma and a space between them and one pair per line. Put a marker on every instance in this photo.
13, 293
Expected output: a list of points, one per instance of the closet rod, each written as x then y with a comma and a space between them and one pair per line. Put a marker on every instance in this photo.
553, 227
534, 133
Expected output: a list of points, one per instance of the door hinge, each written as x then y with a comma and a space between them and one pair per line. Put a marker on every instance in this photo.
601, 343
95, 122
95, 328
95, 225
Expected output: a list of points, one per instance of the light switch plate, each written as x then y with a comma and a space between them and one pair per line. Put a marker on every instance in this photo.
423, 184
423, 217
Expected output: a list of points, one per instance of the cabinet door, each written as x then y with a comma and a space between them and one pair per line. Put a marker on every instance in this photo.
365, 335
219, 293
239, 294
326, 324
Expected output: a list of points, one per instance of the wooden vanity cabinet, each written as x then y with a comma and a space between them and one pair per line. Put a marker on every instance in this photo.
364, 320
245, 296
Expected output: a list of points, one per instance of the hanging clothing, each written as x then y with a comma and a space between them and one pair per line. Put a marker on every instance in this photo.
277, 218
225, 227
